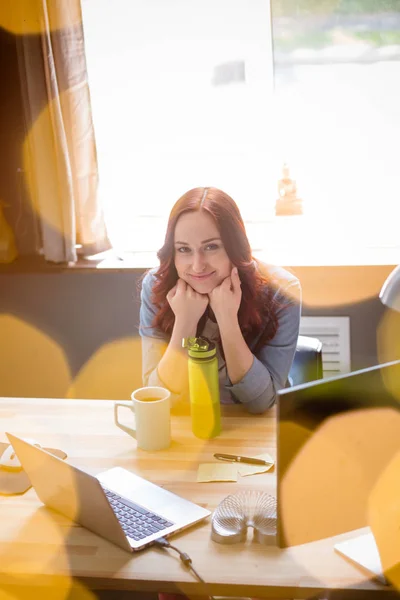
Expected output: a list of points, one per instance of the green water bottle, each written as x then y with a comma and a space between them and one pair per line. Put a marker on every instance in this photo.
205, 406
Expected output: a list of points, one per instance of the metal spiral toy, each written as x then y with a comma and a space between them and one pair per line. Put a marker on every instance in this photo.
236, 513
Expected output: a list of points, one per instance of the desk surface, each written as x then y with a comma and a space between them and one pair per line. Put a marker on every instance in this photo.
40, 547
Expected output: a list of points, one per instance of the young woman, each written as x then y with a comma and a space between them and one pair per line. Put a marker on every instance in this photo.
209, 284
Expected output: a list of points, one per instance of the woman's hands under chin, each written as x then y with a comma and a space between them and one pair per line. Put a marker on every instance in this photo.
187, 305
225, 298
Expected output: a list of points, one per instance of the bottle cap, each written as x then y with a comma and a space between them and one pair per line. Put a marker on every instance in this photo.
199, 347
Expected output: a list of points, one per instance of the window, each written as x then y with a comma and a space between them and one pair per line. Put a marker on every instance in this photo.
198, 92
337, 88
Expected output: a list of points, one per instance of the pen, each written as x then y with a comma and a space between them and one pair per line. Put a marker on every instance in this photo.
242, 459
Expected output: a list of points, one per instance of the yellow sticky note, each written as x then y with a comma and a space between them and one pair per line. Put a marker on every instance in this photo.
217, 472
244, 470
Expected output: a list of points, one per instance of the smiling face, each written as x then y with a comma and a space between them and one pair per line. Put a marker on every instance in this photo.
200, 256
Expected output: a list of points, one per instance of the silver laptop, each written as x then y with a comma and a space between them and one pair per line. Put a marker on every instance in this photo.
119, 506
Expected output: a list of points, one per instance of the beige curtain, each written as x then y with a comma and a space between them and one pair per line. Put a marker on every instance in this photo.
59, 154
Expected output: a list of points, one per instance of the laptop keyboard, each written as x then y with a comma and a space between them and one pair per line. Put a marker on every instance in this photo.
136, 521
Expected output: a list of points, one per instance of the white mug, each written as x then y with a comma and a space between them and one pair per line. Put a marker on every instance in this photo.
151, 407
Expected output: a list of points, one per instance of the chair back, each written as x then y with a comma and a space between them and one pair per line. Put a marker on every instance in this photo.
307, 362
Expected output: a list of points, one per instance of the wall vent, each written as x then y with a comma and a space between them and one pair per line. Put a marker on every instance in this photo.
334, 333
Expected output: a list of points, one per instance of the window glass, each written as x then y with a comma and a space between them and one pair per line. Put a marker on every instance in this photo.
181, 96
337, 85
190, 93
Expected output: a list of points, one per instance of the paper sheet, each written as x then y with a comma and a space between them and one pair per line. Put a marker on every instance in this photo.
244, 470
217, 472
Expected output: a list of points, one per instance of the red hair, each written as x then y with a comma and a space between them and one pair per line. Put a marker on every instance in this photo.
257, 307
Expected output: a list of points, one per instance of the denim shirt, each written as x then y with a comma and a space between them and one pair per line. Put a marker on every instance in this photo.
271, 364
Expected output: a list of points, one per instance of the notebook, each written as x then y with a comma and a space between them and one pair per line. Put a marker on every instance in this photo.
117, 505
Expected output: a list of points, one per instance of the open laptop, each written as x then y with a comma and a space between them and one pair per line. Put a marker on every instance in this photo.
335, 437
119, 506
335, 441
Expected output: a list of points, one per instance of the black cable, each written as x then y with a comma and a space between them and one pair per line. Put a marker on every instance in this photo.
185, 558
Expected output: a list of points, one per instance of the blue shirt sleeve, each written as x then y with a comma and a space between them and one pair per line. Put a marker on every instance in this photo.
154, 342
147, 309
271, 365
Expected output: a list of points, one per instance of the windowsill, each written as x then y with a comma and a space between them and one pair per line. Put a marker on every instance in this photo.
140, 261
37, 264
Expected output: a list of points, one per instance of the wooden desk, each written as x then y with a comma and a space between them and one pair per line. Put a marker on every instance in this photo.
40, 548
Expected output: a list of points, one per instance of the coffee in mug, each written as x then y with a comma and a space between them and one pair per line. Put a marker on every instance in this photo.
151, 407
149, 399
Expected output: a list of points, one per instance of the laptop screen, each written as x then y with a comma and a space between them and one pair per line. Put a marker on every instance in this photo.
334, 439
